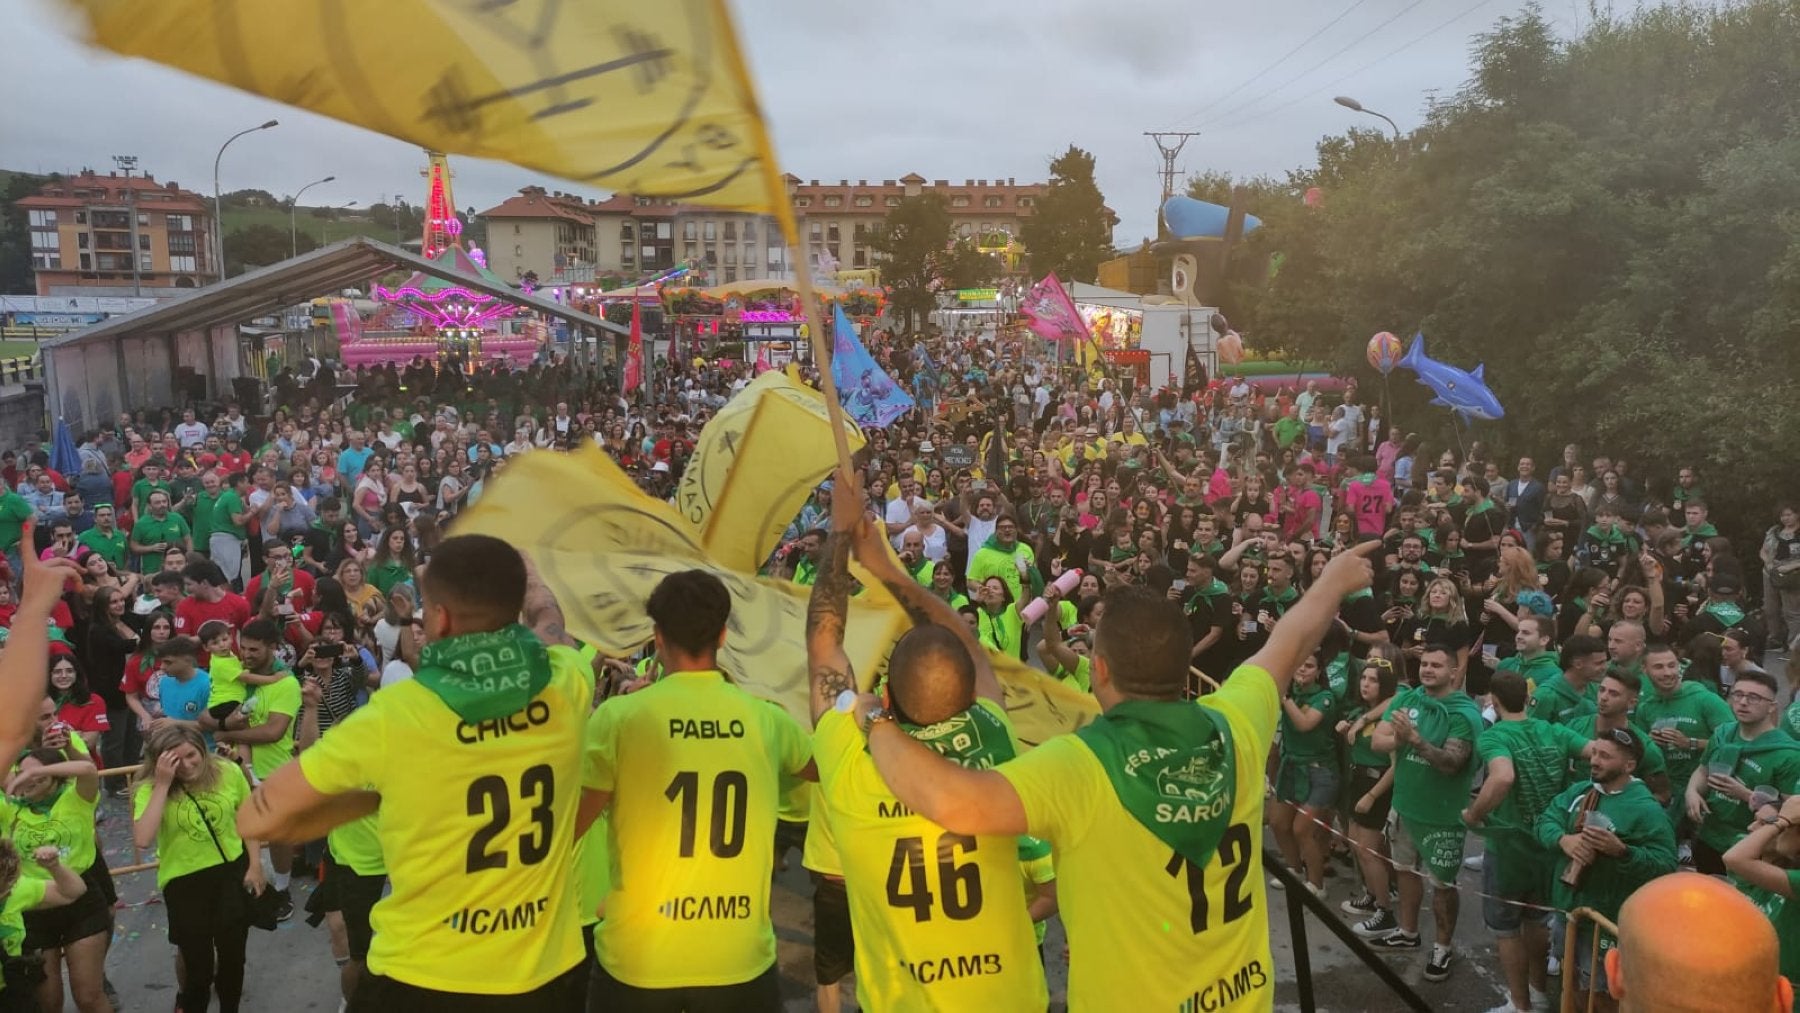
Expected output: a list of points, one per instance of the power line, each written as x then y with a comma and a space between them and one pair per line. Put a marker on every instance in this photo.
1353, 43
1252, 79
1327, 86
1169, 143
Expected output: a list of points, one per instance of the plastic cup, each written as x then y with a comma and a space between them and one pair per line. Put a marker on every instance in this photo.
1763, 795
1720, 768
1598, 820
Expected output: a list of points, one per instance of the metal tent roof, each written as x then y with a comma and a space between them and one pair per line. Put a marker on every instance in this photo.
350, 263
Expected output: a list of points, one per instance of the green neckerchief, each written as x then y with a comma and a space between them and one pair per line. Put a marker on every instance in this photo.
975, 738
482, 676
1281, 601
43, 805
1728, 612
1354, 595
806, 571
1611, 535
1482, 507
1033, 581
1174, 768
1207, 592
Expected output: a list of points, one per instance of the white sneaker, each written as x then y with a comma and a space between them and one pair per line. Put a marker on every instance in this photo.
1474, 862
1317, 891
1507, 1007
1276, 884
1543, 1000
1554, 968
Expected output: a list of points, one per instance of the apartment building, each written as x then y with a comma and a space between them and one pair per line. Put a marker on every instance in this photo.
118, 235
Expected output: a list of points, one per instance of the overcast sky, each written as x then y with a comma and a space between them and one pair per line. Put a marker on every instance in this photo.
945, 88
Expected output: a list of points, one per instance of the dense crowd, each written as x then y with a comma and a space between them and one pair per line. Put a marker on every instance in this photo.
1563, 663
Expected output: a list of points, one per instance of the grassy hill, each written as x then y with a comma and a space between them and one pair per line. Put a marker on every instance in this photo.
333, 229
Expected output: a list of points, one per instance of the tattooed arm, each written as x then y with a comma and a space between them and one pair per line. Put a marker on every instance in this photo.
828, 665
540, 611
1447, 758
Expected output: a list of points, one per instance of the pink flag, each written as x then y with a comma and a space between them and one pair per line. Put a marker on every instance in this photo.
1050, 312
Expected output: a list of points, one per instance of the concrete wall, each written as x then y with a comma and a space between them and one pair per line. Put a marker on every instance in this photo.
21, 414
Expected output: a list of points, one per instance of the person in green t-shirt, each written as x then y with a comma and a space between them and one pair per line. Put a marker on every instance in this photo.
152, 479
1431, 730
205, 507
1765, 866
1567, 691
1617, 700
266, 722
1307, 777
14, 512
1370, 791
105, 538
1527, 763
1680, 715
1741, 758
156, 532
227, 531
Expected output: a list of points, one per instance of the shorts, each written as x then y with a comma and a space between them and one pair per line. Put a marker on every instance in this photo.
376, 993
1589, 973
1361, 780
789, 834
1427, 849
1511, 876
834, 943
1311, 784
761, 994
90, 915
352, 895
224, 709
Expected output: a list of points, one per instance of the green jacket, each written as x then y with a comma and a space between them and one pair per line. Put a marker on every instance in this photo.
1637, 819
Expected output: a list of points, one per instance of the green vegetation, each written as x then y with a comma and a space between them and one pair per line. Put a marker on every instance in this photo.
1606, 222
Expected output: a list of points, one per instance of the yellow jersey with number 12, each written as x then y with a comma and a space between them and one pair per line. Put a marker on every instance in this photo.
1145, 926
694, 765
939, 918
477, 827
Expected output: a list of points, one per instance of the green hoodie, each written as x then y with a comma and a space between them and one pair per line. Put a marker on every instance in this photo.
1554, 700
1638, 820
1692, 710
1772, 758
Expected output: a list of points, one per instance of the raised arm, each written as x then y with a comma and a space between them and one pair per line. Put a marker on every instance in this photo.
827, 665
27, 654
1306, 621
541, 612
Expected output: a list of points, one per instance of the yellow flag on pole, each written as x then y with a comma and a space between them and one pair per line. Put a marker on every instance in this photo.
754, 466
650, 99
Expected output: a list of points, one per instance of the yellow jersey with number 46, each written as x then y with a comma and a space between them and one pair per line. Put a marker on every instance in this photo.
1145, 926
477, 828
694, 765
939, 918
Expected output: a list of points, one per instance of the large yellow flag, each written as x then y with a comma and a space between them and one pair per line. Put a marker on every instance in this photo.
601, 545
754, 466
650, 99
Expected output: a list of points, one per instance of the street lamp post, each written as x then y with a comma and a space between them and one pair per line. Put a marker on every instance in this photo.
325, 226
293, 209
218, 223
1354, 106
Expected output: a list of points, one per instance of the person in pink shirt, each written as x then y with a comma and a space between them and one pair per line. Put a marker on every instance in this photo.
1389, 452
1370, 498
1298, 505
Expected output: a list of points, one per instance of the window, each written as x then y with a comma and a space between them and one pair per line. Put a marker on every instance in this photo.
731, 274
143, 220
986, 227
113, 261
816, 229
516, 229
185, 223
145, 263
861, 228
831, 234
775, 259
965, 229
648, 252
865, 201
690, 230
47, 240
81, 239
892, 202
143, 242
712, 231
861, 259
834, 202
730, 256
1026, 202
43, 219
960, 201
643, 202
749, 232
730, 229
184, 243
112, 220
749, 255
803, 202
690, 251
627, 231
518, 251
183, 264
81, 217
664, 230
992, 201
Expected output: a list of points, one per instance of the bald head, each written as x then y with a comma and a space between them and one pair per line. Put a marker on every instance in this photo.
931, 677
1691, 944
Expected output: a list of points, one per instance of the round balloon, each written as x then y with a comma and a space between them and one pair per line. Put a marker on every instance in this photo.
1314, 197
1231, 349
1384, 352
1219, 323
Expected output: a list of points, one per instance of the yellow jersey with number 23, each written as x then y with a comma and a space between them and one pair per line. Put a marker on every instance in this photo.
694, 765
939, 918
477, 827
1145, 926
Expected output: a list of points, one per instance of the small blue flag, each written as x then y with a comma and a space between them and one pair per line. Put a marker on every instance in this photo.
865, 390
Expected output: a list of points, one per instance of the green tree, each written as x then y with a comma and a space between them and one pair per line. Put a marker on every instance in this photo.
15, 236
912, 241
1070, 230
965, 266
1606, 221
262, 245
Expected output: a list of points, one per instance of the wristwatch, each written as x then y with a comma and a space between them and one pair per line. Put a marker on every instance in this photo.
877, 714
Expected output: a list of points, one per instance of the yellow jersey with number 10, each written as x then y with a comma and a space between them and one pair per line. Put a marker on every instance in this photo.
477, 827
1145, 926
939, 918
694, 765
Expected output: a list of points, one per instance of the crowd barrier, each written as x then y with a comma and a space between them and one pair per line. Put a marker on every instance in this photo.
1571, 985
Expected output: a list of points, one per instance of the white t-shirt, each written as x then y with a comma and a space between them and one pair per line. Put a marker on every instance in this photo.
395, 671
936, 541
387, 638
979, 532
191, 434
900, 511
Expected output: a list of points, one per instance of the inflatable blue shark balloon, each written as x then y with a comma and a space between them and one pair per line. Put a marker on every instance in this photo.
1464, 393
1189, 218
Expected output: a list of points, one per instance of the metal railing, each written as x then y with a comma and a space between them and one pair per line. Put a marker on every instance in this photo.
21, 369
1299, 901
1571, 988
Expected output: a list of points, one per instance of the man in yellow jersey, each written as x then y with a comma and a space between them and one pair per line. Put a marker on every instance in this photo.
940, 918
1155, 809
474, 764
689, 772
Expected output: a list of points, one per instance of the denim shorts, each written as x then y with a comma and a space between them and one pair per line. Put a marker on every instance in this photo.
1311, 784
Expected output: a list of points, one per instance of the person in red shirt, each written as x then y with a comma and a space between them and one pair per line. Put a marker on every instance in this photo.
209, 597
296, 590
233, 457
76, 706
